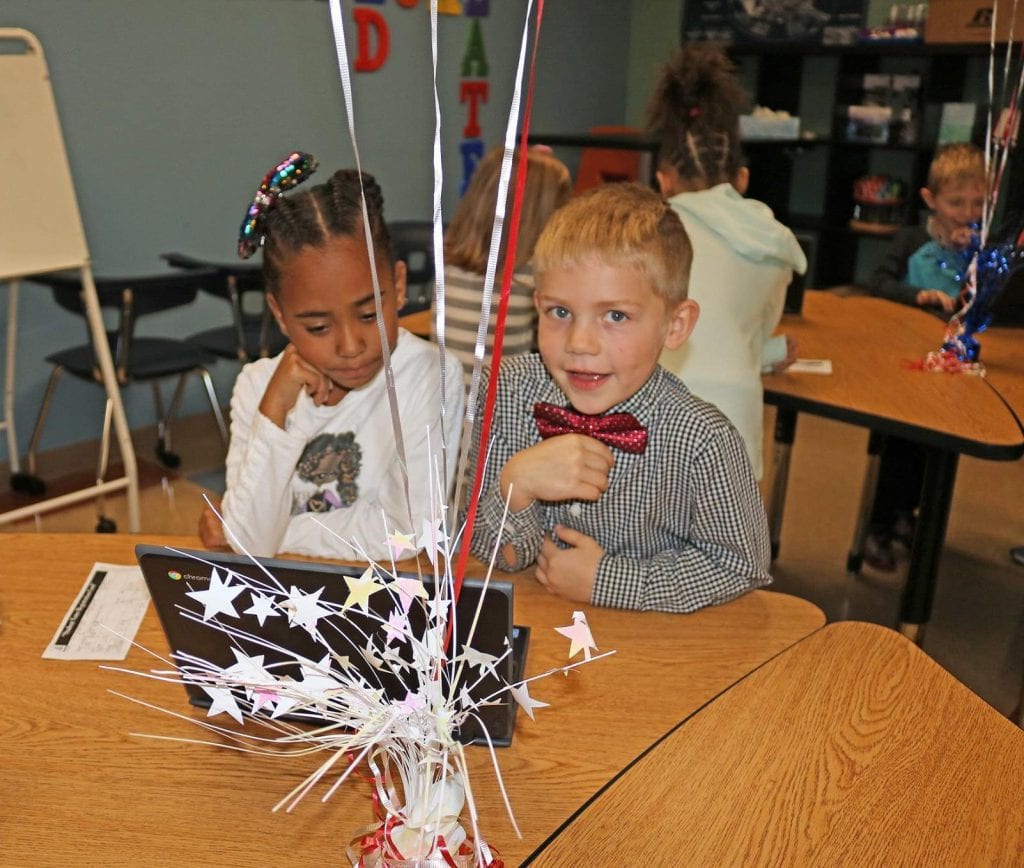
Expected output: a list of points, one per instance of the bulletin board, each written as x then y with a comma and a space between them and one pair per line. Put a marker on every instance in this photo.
40, 225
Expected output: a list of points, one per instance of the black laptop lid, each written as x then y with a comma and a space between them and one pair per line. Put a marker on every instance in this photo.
171, 575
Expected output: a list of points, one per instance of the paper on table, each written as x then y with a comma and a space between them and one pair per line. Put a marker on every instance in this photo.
110, 606
810, 366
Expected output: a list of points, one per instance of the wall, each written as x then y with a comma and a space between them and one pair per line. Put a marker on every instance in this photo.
172, 111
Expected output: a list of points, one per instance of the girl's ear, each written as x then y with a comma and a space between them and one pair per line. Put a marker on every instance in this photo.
668, 180
681, 321
399, 275
275, 309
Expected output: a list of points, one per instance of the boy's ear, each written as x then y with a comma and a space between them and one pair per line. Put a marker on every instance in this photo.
399, 275
275, 309
682, 318
928, 197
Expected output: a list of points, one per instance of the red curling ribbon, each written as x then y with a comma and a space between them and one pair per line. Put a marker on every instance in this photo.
499, 326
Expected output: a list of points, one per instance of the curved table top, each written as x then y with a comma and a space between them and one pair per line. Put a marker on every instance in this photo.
870, 342
851, 748
71, 763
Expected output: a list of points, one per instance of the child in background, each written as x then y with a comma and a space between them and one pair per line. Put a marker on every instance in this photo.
468, 241
914, 269
743, 258
313, 461
913, 273
668, 516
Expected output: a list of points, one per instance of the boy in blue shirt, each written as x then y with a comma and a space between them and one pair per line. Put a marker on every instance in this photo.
623, 487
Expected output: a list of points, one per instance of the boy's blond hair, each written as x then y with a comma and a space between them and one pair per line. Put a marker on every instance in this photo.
958, 161
468, 238
620, 224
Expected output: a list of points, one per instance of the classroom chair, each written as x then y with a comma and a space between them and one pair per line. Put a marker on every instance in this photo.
606, 165
136, 359
412, 241
253, 333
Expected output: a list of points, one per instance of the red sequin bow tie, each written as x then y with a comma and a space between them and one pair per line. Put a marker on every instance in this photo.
621, 430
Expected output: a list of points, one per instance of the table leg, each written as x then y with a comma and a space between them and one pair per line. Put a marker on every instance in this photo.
936, 498
785, 432
867, 501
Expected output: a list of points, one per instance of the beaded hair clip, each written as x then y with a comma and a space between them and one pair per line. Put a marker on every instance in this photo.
290, 172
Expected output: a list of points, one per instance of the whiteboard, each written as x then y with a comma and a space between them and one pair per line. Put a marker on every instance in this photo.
40, 225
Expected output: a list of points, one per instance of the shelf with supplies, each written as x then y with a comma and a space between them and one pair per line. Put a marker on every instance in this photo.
865, 111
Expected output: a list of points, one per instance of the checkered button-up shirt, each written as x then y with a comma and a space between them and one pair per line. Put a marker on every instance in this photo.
682, 525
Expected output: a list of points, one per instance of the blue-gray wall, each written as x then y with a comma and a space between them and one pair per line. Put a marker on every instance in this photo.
173, 109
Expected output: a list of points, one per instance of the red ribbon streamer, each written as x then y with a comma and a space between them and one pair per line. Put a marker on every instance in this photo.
499, 327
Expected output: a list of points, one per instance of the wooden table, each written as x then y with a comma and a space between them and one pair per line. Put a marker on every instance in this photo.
870, 342
76, 787
851, 748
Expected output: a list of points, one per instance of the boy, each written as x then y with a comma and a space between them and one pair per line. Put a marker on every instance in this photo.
668, 516
915, 271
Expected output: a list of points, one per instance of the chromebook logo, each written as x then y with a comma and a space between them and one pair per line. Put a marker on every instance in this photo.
174, 575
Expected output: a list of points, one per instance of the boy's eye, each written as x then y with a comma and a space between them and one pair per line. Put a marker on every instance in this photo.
559, 312
616, 316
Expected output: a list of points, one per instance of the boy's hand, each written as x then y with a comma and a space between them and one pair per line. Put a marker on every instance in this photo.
570, 572
566, 467
960, 237
935, 298
293, 375
211, 531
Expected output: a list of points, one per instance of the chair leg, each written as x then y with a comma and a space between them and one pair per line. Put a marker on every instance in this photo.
211, 393
163, 447
104, 524
855, 558
29, 482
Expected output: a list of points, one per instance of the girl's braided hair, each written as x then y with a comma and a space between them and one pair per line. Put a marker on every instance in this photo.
314, 216
695, 111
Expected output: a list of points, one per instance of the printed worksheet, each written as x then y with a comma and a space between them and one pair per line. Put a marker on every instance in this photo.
104, 617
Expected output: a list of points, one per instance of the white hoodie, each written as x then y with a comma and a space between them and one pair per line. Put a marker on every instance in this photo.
743, 260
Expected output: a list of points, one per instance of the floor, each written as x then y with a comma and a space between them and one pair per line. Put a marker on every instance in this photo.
977, 628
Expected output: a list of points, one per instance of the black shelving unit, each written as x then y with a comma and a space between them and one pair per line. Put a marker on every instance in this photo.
782, 72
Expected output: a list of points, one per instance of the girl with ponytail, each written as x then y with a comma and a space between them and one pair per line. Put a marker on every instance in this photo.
743, 258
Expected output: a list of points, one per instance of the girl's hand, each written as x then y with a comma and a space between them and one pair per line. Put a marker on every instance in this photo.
211, 531
935, 298
294, 375
792, 348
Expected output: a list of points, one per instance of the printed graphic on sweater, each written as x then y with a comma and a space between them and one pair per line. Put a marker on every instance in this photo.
330, 463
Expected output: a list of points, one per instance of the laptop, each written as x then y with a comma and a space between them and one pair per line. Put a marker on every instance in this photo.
170, 575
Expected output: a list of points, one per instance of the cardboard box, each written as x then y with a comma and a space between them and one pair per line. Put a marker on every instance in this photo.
971, 21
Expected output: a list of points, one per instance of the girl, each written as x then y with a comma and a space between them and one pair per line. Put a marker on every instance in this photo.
468, 240
313, 463
743, 259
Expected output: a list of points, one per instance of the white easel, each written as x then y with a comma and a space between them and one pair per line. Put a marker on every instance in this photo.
41, 231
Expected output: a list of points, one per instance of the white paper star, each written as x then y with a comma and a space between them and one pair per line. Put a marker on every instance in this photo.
317, 683
397, 627
223, 701
360, 590
407, 589
304, 609
579, 634
412, 703
262, 607
433, 539
478, 658
216, 599
401, 542
526, 702
249, 671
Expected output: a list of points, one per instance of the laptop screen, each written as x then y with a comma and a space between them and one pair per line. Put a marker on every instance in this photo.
359, 636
